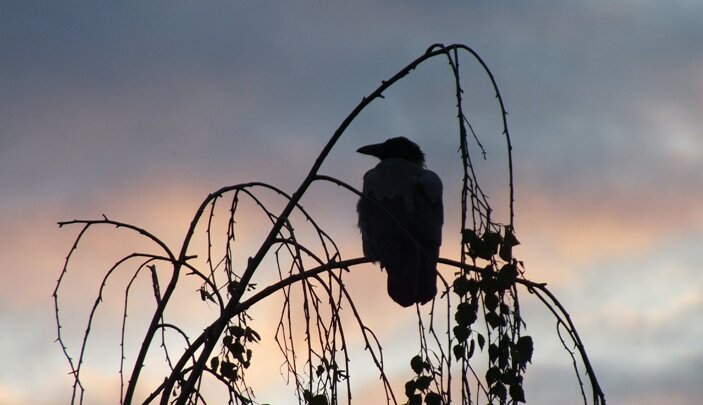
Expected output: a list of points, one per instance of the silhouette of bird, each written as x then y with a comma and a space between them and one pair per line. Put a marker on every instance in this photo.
401, 219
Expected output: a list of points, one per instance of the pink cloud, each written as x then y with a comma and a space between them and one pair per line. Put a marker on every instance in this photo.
561, 232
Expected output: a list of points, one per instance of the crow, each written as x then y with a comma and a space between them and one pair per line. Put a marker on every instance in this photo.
400, 219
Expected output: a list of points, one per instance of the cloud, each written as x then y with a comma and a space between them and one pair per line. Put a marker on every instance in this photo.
138, 111
674, 383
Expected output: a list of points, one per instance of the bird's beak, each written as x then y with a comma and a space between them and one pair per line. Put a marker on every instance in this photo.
371, 150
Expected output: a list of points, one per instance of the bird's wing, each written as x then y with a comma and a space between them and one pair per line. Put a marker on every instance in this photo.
431, 186
406, 198
384, 215
429, 217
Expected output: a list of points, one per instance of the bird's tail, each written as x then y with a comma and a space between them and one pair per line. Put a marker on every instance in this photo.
412, 274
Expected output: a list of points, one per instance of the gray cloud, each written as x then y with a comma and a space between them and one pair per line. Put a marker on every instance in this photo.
603, 98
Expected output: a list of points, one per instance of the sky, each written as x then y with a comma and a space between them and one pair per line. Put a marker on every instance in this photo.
137, 110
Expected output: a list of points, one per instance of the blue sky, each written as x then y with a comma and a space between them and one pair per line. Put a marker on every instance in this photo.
139, 110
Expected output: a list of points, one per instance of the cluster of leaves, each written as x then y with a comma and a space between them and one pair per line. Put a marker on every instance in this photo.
331, 370
326, 370
508, 361
419, 387
235, 355
508, 352
314, 399
490, 244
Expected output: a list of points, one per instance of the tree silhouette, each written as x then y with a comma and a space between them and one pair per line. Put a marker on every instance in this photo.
476, 311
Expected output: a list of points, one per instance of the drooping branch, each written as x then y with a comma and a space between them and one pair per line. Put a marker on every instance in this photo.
486, 281
217, 327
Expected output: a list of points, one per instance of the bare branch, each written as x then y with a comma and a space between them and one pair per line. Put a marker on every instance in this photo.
486, 312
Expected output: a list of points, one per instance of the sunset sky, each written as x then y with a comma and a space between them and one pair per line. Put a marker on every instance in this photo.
138, 110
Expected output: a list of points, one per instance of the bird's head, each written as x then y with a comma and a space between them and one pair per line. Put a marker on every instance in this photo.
398, 148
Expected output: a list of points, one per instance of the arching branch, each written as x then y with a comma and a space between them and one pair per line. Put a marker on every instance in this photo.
485, 315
